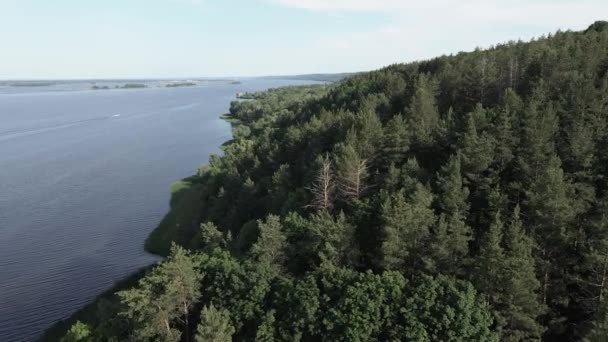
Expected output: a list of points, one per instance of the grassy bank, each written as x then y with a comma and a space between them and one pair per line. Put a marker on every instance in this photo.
183, 213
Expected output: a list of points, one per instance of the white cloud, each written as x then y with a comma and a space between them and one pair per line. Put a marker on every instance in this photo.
422, 29
479, 7
189, 2
515, 12
343, 5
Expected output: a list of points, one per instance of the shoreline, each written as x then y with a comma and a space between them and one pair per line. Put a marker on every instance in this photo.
184, 204
157, 243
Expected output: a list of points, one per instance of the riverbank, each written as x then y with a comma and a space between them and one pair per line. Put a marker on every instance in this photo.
180, 224
183, 211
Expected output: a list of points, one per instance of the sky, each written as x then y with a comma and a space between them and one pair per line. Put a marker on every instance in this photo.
65, 39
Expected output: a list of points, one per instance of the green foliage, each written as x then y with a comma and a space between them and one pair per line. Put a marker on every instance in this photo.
453, 194
442, 309
449, 246
521, 303
78, 332
214, 326
505, 275
265, 332
395, 141
270, 248
422, 113
476, 149
211, 237
407, 224
163, 298
297, 304
322, 239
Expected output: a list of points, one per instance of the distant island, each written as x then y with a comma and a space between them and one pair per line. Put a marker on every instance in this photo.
175, 84
132, 86
124, 86
313, 77
31, 84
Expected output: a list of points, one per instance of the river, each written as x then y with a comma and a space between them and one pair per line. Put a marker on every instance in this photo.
84, 178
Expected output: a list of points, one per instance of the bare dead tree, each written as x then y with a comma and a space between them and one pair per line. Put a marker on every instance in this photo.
352, 179
323, 188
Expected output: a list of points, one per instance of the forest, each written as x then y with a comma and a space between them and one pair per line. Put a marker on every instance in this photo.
462, 198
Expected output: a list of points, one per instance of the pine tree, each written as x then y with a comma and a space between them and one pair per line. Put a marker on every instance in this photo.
164, 296
452, 194
550, 217
522, 306
270, 247
503, 129
351, 171
395, 141
335, 243
367, 133
449, 245
244, 208
320, 240
406, 225
550, 201
448, 130
391, 179
422, 114
280, 187
215, 326
593, 280
505, 274
490, 263
211, 237
476, 150
537, 128
412, 174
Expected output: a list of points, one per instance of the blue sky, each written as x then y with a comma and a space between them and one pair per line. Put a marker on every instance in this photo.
195, 38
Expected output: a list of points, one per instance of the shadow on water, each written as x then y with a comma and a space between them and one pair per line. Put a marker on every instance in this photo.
183, 216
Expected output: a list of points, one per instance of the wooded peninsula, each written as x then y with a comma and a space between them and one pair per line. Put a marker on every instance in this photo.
462, 198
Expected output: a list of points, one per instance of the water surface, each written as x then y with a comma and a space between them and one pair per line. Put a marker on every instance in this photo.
84, 178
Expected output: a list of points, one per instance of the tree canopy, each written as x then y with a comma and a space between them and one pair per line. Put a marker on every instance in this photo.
461, 198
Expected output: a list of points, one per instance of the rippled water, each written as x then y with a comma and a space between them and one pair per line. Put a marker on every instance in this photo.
84, 177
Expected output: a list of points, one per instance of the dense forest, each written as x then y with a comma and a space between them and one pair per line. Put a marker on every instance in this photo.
462, 198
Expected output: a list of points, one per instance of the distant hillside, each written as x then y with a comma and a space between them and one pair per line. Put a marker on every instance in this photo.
313, 77
462, 198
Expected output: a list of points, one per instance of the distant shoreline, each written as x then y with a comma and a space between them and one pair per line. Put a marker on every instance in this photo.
327, 77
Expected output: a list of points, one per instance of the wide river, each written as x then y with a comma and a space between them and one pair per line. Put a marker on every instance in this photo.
84, 178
